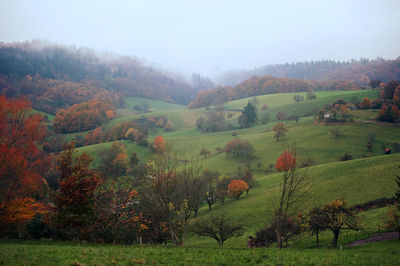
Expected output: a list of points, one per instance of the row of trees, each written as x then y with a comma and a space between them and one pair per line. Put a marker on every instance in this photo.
265, 85
364, 72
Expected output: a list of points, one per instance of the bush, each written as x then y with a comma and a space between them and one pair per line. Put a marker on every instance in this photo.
396, 147
307, 162
265, 237
311, 95
346, 157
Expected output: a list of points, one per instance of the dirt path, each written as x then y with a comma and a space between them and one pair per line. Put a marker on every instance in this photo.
376, 238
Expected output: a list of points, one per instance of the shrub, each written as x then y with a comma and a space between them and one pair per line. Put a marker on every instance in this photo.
346, 157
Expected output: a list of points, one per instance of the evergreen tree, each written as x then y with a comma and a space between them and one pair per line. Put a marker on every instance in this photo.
249, 116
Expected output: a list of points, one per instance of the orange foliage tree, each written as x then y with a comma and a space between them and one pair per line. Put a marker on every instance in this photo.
236, 188
366, 103
159, 144
20, 162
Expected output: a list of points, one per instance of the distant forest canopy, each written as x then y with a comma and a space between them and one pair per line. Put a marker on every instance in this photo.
266, 85
360, 71
55, 77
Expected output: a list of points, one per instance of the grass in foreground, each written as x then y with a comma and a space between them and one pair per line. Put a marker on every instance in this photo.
66, 253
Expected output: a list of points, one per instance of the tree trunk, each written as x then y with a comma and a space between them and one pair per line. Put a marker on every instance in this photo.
196, 210
221, 243
317, 238
335, 237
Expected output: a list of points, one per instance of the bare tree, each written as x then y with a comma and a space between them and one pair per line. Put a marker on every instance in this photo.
176, 193
219, 228
292, 189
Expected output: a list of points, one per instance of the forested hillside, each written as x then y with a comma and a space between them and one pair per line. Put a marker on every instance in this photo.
55, 77
361, 71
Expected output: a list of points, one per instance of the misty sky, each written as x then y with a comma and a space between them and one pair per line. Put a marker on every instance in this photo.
209, 36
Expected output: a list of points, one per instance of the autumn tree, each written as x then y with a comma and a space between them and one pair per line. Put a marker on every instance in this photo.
21, 163
118, 219
159, 144
339, 217
366, 103
173, 193
74, 199
389, 113
236, 188
218, 227
280, 130
291, 189
114, 161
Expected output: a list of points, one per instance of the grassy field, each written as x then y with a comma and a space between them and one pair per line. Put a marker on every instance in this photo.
355, 181
65, 253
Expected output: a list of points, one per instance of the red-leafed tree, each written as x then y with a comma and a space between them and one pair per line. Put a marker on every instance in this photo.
21, 183
159, 144
236, 188
74, 199
285, 162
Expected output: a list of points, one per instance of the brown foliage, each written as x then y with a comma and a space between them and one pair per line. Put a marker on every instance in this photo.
84, 116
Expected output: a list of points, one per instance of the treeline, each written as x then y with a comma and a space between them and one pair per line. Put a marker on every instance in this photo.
265, 85
358, 71
55, 65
